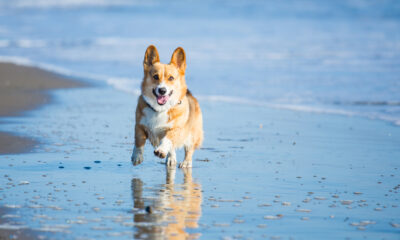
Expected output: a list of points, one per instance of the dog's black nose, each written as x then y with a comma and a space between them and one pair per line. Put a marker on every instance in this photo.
162, 91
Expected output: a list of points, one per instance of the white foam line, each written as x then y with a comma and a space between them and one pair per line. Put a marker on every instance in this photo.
299, 108
302, 108
118, 83
27, 62
124, 84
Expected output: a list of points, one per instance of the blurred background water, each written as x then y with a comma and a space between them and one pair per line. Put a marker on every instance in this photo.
321, 56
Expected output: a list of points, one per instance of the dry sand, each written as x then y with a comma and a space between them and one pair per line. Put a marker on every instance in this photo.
24, 88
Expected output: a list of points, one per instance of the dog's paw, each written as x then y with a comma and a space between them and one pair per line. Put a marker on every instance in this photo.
160, 153
171, 161
137, 156
136, 159
164, 148
185, 164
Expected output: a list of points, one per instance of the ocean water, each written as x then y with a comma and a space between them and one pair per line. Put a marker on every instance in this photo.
340, 57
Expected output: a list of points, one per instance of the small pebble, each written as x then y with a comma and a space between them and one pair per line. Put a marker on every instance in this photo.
303, 210
221, 224
271, 217
96, 209
366, 222
320, 198
395, 225
346, 202
265, 205
149, 209
236, 220
23, 183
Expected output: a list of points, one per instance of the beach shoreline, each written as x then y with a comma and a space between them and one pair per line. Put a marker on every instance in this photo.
22, 89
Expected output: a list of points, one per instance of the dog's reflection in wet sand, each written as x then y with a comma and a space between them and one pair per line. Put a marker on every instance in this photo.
171, 208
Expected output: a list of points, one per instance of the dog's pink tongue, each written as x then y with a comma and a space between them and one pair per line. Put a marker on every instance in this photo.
162, 99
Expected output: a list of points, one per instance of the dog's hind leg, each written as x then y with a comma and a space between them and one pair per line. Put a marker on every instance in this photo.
187, 162
140, 141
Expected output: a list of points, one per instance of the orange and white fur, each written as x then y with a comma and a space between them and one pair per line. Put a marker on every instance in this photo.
167, 114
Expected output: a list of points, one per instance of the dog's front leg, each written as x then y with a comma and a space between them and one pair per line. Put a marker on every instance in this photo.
140, 141
164, 148
171, 158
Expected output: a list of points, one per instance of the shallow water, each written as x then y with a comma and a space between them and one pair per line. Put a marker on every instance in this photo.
263, 173
339, 56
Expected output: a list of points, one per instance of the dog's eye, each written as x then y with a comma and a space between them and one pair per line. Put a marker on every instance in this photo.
171, 78
156, 77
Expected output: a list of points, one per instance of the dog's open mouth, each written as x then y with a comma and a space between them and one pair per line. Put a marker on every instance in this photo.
161, 100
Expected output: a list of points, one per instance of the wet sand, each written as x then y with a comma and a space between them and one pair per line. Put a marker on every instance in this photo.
15, 144
22, 89
261, 174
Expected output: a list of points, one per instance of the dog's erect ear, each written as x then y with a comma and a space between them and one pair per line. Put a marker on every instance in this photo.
179, 59
150, 57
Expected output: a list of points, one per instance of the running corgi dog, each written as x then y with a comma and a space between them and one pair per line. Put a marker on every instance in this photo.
167, 113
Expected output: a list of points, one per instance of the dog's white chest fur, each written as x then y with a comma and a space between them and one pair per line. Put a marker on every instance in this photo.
155, 121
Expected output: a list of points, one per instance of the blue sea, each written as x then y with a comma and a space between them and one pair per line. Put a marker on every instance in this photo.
336, 57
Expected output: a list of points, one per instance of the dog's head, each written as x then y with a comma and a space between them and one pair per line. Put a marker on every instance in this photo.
163, 85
